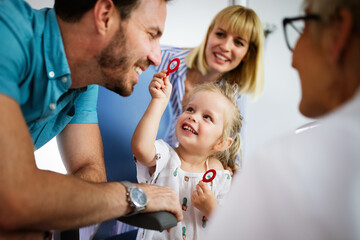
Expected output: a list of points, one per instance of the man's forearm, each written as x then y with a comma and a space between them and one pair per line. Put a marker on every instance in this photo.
22, 235
54, 201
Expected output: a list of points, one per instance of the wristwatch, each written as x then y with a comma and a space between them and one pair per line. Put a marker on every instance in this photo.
136, 197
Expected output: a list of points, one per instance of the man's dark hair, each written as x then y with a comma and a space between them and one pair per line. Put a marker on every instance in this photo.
73, 10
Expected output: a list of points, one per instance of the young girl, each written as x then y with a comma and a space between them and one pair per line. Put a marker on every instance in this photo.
208, 135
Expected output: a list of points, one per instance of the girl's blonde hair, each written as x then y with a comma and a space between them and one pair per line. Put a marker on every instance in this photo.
249, 75
232, 124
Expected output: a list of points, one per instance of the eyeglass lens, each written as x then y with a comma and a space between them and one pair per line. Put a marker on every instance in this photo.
293, 31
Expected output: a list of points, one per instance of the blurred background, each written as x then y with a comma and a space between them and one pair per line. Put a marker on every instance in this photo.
270, 116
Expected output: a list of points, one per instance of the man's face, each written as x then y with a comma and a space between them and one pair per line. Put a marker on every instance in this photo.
311, 59
134, 47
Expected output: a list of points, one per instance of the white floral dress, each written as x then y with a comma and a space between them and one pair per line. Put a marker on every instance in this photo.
169, 173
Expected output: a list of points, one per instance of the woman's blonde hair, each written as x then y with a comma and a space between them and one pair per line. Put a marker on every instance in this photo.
232, 124
249, 75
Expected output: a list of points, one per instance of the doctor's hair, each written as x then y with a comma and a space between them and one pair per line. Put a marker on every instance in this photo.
72, 11
328, 10
242, 21
233, 120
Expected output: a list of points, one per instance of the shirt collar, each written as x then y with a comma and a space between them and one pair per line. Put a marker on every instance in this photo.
54, 52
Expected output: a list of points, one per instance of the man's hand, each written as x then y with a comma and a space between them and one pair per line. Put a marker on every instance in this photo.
204, 199
162, 199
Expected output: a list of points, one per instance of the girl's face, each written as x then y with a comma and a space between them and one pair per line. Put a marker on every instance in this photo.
200, 126
225, 50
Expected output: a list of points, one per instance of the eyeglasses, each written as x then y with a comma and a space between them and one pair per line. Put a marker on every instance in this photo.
293, 28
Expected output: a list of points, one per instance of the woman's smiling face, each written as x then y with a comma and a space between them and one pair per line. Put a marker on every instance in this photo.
225, 50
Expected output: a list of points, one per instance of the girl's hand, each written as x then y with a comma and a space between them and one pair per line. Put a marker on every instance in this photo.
160, 86
204, 199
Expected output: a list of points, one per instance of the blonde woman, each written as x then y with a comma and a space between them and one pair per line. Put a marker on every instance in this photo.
232, 51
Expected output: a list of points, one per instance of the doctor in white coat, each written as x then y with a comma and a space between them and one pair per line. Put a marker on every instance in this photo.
307, 186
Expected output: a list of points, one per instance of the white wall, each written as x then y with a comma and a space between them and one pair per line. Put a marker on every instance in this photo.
275, 112
187, 21
40, 3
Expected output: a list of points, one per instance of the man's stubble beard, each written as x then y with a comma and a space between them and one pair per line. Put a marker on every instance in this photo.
114, 68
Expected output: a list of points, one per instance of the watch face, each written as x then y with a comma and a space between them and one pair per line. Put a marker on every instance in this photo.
138, 196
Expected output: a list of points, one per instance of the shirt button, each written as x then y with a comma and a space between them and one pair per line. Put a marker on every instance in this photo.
51, 74
52, 106
64, 79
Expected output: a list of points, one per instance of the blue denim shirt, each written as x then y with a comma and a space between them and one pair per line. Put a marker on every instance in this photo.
34, 71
